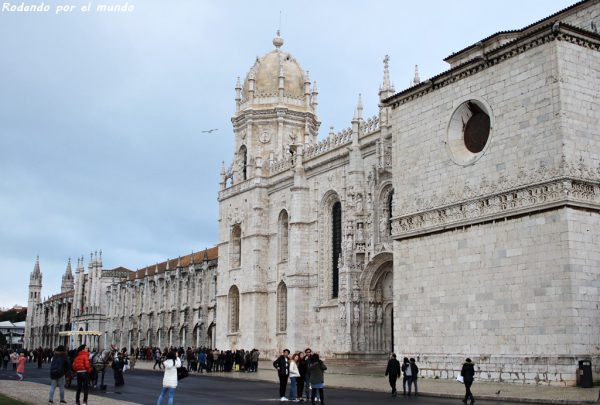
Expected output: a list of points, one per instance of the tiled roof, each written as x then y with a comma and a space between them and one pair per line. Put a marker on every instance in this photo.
183, 261
550, 19
60, 296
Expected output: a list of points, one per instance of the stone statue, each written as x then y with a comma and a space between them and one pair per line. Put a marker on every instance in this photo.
379, 313
360, 232
356, 314
359, 204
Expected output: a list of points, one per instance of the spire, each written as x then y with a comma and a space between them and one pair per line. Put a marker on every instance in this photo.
238, 94
67, 279
36, 267
387, 88
359, 108
416, 80
68, 271
80, 265
315, 93
100, 258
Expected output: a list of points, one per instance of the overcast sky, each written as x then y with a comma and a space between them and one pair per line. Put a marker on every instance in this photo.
101, 114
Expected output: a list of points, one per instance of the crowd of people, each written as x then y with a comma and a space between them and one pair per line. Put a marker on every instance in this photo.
303, 370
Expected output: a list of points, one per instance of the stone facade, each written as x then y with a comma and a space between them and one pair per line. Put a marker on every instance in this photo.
459, 222
168, 304
304, 243
495, 251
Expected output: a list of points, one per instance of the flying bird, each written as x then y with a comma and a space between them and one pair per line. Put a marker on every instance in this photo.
210, 131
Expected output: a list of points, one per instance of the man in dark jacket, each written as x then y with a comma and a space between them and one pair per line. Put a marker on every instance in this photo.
468, 374
59, 367
117, 365
282, 364
415, 371
393, 372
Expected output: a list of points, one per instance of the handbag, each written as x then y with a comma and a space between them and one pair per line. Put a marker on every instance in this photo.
460, 379
182, 373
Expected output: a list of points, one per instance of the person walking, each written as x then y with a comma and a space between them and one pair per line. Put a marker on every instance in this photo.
407, 376
14, 359
415, 371
294, 375
58, 369
393, 372
170, 365
81, 366
21, 366
282, 364
317, 378
117, 365
468, 374
157, 359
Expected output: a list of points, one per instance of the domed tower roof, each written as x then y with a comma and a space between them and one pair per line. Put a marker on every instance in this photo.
267, 70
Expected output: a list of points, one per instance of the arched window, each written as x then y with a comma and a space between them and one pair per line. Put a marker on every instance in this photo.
336, 248
283, 225
389, 211
234, 309
281, 307
236, 246
243, 159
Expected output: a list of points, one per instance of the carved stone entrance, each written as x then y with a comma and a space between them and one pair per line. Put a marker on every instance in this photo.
378, 285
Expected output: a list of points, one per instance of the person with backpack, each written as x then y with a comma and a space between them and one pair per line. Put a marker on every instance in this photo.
81, 365
58, 369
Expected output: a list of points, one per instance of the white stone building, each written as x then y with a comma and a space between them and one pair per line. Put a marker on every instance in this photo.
462, 221
168, 304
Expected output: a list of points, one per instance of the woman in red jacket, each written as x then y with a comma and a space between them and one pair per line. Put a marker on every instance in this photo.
21, 366
81, 365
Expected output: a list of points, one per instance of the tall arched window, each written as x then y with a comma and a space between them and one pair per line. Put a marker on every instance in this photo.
281, 307
234, 309
236, 246
243, 159
389, 211
336, 248
283, 225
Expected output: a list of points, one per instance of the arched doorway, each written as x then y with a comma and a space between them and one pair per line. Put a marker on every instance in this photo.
211, 335
378, 282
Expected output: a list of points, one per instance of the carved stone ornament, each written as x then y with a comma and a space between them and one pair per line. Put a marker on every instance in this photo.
528, 191
264, 137
237, 216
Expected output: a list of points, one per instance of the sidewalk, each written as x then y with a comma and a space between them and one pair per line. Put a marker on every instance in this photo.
339, 377
35, 394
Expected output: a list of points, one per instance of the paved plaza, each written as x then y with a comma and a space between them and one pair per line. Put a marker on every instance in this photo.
343, 387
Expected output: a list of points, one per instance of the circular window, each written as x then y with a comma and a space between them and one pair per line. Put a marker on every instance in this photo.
469, 132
